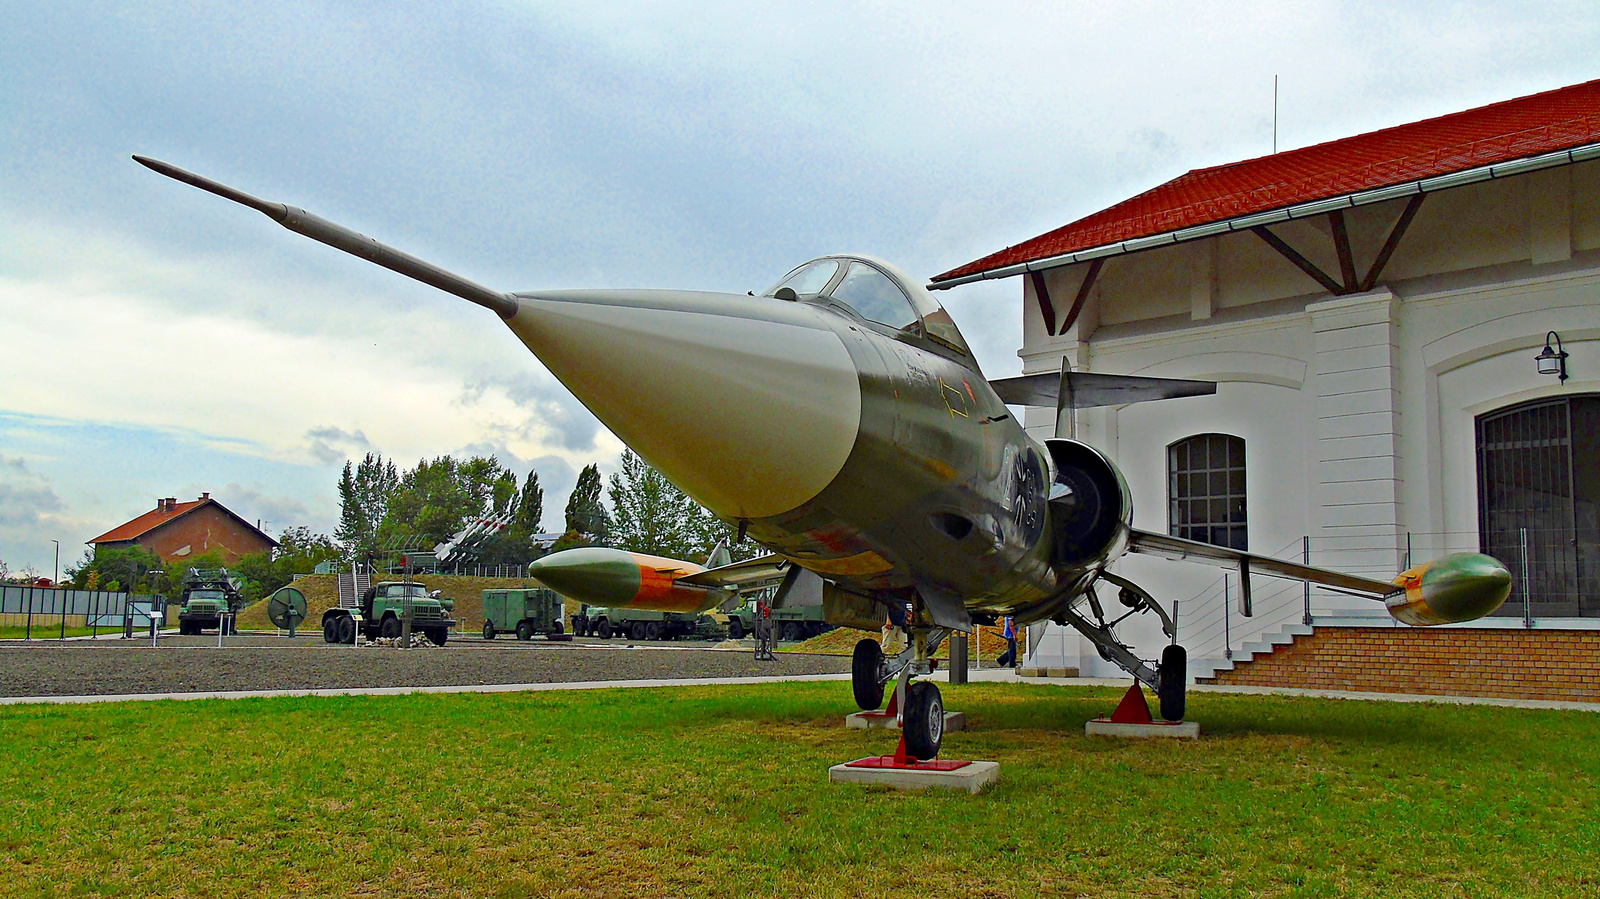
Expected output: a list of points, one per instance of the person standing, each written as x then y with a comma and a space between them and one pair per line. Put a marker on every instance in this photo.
1009, 632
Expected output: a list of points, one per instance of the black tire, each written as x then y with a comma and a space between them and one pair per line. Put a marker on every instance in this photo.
438, 635
488, 630
924, 720
1173, 682
603, 630
556, 627
864, 666
652, 630
791, 632
390, 628
330, 629
735, 629
524, 630
347, 629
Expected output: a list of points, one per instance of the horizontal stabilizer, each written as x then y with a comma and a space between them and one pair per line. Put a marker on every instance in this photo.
1092, 389
1177, 548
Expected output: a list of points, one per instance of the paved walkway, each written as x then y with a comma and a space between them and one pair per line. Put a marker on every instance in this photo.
995, 675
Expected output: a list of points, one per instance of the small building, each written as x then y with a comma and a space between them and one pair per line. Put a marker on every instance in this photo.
1372, 309
176, 531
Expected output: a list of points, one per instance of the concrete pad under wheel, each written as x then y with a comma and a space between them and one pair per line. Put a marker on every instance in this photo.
1176, 730
971, 777
953, 721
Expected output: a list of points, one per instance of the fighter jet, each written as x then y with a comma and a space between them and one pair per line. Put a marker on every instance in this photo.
839, 420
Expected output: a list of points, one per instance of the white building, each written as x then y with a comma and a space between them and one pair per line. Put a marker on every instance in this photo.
1371, 309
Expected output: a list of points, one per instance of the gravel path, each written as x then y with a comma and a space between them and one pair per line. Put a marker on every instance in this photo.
195, 664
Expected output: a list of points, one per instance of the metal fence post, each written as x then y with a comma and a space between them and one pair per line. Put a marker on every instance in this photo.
1305, 558
1527, 607
28, 633
62, 598
1227, 625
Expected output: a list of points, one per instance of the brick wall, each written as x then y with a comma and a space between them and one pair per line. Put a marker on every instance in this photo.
1512, 664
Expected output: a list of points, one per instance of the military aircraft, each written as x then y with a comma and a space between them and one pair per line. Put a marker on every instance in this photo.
840, 420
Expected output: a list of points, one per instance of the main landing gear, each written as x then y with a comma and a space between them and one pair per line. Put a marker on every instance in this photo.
919, 705
1169, 677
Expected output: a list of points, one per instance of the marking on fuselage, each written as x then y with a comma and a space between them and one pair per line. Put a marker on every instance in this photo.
947, 391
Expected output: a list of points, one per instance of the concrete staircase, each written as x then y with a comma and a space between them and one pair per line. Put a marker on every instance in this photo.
351, 586
1247, 653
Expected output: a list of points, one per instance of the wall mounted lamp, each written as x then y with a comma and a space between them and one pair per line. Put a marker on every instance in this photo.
1552, 362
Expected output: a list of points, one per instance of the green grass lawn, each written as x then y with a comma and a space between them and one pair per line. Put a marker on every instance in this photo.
52, 631
723, 791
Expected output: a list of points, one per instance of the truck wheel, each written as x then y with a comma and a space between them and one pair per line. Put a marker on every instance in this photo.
330, 630
488, 630
524, 630
390, 628
924, 720
556, 628
603, 630
652, 630
439, 635
735, 629
580, 628
347, 629
864, 667
791, 632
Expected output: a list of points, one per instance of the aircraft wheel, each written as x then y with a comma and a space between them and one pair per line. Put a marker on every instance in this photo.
735, 629
347, 629
524, 630
924, 720
1172, 682
330, 630
488, 630
864, 667
390, 628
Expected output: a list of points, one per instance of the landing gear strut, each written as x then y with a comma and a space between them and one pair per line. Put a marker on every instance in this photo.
1169, 677
920, 705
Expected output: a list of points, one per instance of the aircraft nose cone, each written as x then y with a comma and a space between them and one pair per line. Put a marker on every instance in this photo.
751, 416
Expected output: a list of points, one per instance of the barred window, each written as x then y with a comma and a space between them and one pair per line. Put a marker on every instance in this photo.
1205, 490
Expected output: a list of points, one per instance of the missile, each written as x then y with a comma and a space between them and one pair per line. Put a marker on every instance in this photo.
617, 578
1450, 589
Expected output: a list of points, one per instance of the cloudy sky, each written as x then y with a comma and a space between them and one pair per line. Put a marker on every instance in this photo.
158, 341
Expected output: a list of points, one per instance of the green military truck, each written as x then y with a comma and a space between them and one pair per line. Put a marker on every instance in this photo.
525, 611
643, 624
208, 594
791, 625
381, 611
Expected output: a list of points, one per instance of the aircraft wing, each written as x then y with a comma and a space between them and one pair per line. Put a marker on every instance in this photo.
1193, 551
752, 574
1093, 389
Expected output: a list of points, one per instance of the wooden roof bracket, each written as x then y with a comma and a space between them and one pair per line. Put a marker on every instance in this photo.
1083, 294
1301, 262
1341, 248
1047, 309
1395, 233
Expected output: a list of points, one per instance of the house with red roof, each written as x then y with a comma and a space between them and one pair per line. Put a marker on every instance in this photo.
176, 531
1405, 330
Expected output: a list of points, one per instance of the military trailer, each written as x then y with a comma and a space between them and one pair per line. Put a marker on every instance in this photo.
381, 612
791, 625
644, 624
525, 611
208, 594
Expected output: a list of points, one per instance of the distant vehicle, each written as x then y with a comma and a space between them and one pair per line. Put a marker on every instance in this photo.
382, 610
528, 611
208, 594
645, 624
790, 625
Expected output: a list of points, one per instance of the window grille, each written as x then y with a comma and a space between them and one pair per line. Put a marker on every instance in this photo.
1206, 490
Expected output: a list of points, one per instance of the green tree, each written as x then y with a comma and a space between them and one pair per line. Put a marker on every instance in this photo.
365, 493
436, 499
299, 552
513, 545
650, 515
117, 569
586, 514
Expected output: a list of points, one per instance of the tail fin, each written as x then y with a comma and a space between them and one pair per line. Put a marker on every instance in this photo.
719, 556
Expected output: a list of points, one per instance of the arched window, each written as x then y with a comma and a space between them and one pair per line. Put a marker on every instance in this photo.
1539, 474
1205, 490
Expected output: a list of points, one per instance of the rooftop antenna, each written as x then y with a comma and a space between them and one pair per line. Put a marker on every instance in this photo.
1274, 114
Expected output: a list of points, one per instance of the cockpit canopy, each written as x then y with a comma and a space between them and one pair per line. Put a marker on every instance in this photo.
874, 290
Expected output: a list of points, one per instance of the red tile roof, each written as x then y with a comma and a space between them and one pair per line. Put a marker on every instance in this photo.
1542, 123
159, 516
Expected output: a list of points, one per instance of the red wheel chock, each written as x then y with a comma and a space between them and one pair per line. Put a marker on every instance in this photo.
1133, 709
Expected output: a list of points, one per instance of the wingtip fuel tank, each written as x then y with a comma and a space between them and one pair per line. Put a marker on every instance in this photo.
1449, 590
618, 578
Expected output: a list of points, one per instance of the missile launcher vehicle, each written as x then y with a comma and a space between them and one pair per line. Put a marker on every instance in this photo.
208, 595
